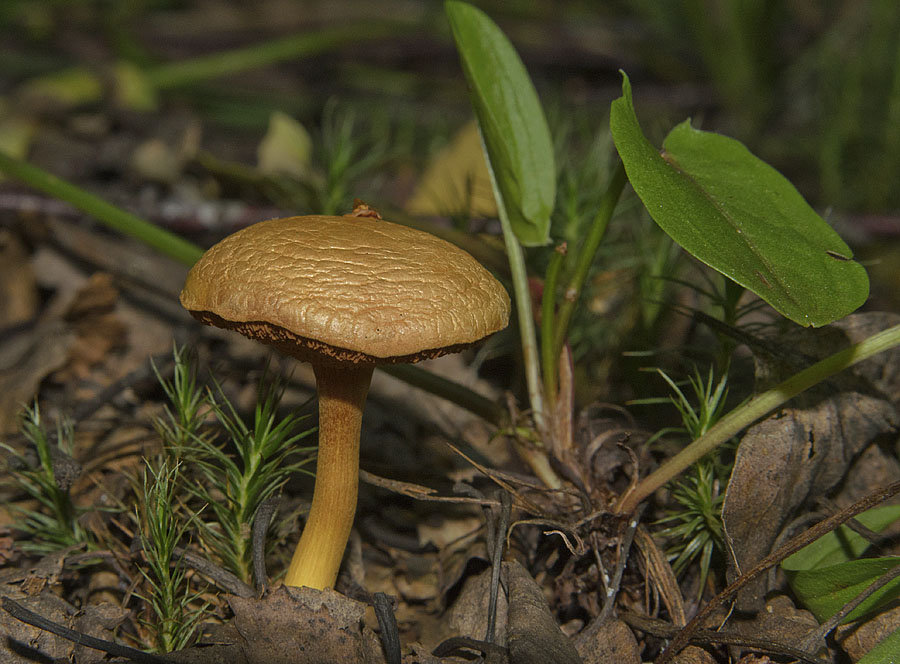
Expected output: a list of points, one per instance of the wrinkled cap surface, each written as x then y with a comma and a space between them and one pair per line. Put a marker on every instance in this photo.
351, 288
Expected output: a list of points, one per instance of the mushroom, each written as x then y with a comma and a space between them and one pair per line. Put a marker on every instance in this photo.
343, 293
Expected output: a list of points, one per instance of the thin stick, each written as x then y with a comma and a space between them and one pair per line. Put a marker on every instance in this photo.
29, 617
616, 582
496, 551
790, 547
219, 576
419, 492
387, 622
666, 630
258, 537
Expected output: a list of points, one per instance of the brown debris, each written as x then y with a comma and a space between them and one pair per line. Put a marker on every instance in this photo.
301, 625
805, 449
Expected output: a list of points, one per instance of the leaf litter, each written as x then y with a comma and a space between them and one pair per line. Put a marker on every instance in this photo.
93, 309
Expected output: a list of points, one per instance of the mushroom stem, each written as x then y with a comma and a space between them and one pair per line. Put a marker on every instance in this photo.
342, 391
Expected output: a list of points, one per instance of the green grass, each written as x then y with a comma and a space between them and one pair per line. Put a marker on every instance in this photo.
56, 522
235, 466
175, 609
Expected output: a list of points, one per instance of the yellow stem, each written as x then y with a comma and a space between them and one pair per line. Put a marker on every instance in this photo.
342, 391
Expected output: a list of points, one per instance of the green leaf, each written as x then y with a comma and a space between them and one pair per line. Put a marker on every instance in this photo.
826, 590
741, 217
886, 652
512, 123
841, 544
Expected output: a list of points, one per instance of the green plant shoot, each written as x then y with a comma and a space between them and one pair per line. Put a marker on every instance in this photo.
513, 128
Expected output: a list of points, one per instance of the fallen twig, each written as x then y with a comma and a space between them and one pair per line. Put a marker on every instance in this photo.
29, 617
792, 546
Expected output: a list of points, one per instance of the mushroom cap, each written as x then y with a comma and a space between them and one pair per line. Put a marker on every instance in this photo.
355, 289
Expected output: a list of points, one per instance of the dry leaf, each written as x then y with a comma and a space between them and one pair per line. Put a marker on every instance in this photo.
532, 633
23, 644
286, 149
25, 360
609, 642
693, 655
98, 328
753, 658
300, 625
456, 181
660, 572
469, 613
18, 286
779, 622
98, 620
805, 449
858, 638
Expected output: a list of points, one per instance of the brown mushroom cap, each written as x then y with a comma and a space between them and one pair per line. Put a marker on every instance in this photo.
357, 289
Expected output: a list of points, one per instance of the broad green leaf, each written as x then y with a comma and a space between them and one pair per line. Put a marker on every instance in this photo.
741, 217
887, 651
826, 590
841, 544
512, 123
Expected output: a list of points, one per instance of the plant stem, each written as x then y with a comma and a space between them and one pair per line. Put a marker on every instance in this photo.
586, 258
522, 296
548, 317
189, 72
534, 457
163, 241
525, 319
745, 415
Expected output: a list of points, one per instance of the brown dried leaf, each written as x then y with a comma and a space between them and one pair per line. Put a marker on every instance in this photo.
301, 625
609, 642
660, 572
805, 449
98, 328
7, 546
753, 658
533, 634
469, 613
858, 638
23, 643
18, 286
25, 361
693, 655
456, 181
98, 620
780, 622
